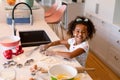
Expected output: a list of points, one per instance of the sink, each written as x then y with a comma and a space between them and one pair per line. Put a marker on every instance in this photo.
33, 38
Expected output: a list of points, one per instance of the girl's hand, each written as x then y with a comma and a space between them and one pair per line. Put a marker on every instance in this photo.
49, 53
42, 48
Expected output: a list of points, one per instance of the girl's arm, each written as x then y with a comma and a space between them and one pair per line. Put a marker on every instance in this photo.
67, 55
58, 42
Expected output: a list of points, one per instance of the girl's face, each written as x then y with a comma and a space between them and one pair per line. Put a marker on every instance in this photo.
80, 33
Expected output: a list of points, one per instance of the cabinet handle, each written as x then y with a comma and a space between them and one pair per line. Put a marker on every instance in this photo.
118, 41
102, 22
119, 30
115, 57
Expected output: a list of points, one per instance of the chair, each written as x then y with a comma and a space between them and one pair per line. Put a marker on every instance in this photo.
56, 18
51, 10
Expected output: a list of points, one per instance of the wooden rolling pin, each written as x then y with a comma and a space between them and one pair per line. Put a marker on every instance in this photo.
82, 69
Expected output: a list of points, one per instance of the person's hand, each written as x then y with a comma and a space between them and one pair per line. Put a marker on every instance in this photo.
49, 53
42, 48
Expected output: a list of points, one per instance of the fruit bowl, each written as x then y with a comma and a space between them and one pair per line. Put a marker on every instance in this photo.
62, 72
10, 41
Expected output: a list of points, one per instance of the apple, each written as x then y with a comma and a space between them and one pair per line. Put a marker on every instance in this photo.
8, 54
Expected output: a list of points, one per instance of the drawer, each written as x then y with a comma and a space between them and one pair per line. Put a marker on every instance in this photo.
115, 39
114, 59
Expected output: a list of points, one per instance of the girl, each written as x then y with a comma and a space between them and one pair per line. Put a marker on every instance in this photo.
80, 30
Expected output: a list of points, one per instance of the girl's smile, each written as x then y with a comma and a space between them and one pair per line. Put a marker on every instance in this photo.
80, 33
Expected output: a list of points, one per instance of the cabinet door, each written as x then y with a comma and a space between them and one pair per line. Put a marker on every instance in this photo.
99, 43
114, 49
106, 43
114, 59
114, 36
116, 17
73, 10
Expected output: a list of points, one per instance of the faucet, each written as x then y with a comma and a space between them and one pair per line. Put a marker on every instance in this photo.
13, 19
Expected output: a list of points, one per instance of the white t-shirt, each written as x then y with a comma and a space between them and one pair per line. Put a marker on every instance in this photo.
84, 45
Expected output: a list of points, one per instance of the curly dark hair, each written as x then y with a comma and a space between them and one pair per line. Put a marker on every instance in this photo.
81, 20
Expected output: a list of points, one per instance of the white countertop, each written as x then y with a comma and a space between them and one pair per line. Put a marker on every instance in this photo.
39, 59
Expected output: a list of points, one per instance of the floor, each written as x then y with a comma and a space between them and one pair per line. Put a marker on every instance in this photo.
102, 72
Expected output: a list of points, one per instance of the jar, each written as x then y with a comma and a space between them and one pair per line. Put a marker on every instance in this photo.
30, 2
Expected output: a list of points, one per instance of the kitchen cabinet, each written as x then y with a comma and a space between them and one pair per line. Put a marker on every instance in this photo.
103, 8
73, 10
106, 42
116, 18
114, 59
114, 35
114, 49
108, 12
99, 44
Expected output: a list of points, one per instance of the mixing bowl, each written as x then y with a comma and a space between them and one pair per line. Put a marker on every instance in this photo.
62, 72
10, 41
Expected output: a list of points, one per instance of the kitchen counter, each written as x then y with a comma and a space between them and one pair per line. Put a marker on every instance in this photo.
46, 62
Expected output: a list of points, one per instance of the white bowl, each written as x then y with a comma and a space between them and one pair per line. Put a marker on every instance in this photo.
9, 41
62, 72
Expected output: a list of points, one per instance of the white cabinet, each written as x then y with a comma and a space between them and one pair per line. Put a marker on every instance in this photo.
114, 35
106, 43
116, 18
104, 8
108, 10
73, 10
114, 59
99, 43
